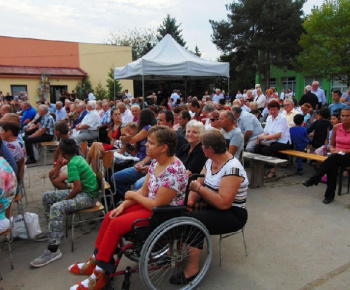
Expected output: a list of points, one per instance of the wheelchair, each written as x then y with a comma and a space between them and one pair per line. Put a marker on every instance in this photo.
161, 248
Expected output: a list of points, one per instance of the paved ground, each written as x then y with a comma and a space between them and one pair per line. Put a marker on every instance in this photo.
294, 242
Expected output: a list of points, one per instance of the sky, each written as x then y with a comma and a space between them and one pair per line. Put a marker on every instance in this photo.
93, 21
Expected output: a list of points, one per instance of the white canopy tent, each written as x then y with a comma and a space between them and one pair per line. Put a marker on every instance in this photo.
168, 60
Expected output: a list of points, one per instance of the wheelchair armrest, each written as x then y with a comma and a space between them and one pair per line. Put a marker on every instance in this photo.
134, 224
169, 209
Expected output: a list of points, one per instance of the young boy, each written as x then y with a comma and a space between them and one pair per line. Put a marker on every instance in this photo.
56, 203
300, 139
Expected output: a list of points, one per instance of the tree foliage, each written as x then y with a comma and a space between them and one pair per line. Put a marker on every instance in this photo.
169, 26
82, 87
112, 84
100, 92
326, 41
259, 34
141, 40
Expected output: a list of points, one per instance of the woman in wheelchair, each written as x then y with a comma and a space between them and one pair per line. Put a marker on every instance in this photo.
165, 185
224, 188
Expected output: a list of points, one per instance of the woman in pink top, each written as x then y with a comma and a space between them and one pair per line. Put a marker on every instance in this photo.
340, 157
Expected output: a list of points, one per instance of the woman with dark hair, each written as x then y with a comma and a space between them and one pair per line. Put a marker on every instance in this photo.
224, 188
161, 187
275, 137
340, 157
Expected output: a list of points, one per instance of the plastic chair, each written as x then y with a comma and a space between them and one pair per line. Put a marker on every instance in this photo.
108, 165
224, 236
84, 148
8, 234
21, 168
97, 208
18, 199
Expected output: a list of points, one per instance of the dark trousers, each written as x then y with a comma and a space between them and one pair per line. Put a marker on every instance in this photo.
218, 222
271, 150
331, 167
29, 141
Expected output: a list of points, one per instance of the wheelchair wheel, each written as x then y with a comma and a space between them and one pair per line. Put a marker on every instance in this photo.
165, 252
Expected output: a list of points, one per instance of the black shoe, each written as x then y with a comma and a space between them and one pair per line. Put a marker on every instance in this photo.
30, 161
300, 172
327, 201
309, 183
180, 279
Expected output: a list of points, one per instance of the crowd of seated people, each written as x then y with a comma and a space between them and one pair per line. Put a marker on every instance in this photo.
205, 135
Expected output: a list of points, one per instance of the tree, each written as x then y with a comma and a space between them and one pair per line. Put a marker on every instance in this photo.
112, 85
169, 26
100, 92
326, 41
82, 87
141, 40
259, 34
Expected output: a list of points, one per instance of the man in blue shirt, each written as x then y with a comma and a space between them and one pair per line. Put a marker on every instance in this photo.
28, 113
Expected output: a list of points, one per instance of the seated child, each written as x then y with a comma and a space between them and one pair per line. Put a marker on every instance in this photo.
84, 194
300, 138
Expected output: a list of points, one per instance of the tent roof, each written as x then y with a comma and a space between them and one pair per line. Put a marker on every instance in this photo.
169, 60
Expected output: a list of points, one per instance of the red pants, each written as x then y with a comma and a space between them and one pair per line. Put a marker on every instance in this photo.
112, 230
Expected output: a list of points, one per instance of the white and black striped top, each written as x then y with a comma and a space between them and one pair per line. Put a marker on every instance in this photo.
231, 167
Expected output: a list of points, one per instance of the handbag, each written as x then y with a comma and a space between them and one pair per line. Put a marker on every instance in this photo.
32, 221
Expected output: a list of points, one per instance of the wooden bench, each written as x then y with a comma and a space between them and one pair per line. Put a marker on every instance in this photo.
305, 155
319, 158
258, 167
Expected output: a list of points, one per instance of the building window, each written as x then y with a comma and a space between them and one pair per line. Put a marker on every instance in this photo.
272, 82
338, 85
310, 80
288, 83
18, 89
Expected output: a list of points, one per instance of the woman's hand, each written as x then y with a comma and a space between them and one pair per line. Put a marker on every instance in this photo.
195, 185
117, 211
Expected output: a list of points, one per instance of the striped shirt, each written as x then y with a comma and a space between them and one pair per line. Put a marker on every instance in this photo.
231, 167
78, 169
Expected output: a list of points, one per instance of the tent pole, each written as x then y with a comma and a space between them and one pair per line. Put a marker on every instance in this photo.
114, 91
228, 86
143, 90
186, 88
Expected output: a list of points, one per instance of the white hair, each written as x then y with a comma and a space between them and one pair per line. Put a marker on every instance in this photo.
92, 104
196, 124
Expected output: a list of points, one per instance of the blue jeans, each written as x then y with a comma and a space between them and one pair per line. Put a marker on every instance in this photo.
125, 178
299, 159
138, 184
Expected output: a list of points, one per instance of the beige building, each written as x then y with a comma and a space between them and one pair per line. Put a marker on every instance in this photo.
24, 62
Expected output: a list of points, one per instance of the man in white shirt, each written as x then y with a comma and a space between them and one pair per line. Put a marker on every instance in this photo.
60, 111
175, 96
289, 112
127, 94
319, 93
126, 113
218, 96
90, 96
87, 130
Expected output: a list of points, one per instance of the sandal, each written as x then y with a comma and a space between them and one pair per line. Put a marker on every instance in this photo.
86, 268
270, 174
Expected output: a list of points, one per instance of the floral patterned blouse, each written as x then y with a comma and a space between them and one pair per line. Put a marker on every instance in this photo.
174, 177
8, 186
